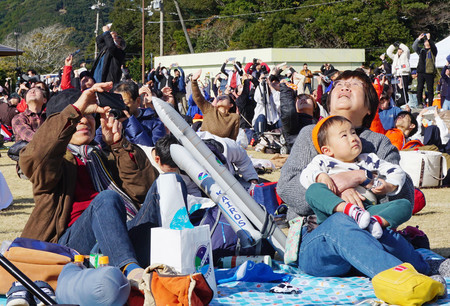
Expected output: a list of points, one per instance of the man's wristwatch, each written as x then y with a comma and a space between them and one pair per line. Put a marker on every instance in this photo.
369, 178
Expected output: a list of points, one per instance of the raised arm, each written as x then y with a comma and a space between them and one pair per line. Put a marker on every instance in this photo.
201, 102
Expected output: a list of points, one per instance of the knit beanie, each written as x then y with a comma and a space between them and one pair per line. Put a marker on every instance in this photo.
315, 133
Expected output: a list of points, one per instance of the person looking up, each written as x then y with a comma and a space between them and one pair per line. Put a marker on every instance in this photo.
221, 119
27, 123
426, 67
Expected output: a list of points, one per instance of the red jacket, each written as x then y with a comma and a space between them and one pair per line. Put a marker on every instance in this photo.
66, 78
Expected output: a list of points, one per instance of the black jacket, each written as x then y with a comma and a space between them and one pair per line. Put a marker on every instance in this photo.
423, 55
246, 106
114, 58
291, 121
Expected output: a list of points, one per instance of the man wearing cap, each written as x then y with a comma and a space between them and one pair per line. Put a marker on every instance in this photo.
426, 67
400, 68
84, 80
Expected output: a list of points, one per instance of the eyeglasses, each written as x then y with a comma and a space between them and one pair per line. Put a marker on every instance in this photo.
348, 84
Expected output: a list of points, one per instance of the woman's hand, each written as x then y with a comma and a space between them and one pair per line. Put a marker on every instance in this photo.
352, 196
348, 179
383, 188
196, 75
111, 129
326, 179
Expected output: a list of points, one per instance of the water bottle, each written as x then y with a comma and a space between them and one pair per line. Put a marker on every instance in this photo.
79, 261
88, 286
103, 261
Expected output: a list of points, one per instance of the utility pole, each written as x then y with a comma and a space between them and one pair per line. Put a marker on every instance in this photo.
161, 31
16, 35
184, 27
97, 7
143, 43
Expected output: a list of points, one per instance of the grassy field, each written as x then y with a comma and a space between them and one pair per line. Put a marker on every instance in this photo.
433, 219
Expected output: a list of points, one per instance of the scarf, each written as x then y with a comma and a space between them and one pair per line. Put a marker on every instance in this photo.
93, 158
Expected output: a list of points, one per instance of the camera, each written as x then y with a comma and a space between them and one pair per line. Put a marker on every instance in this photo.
114, 101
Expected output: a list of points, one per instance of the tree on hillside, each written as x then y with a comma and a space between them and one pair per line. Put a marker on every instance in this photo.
44, 48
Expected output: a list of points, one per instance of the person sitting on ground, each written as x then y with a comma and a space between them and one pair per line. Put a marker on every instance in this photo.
9, 109
339, 149
84, 79
405, 126
142, 125
353, 97
233, 157
82, 197
432, 133
220, 120
387, 112
297, 111
27, 123
336, 246
267, 98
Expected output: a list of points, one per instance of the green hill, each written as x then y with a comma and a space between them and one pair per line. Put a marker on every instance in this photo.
27, 15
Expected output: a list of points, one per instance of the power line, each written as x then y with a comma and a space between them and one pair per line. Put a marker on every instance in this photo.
255, 13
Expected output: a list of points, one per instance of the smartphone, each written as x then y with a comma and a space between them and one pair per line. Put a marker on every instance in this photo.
114, 101
76, 52
231, 59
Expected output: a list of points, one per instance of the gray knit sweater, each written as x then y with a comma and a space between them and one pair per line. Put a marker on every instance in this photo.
303, 151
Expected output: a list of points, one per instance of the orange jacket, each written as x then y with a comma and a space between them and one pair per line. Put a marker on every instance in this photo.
376, 125
398, 140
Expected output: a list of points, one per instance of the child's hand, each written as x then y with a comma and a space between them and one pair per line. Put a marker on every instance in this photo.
326, 179
383, 187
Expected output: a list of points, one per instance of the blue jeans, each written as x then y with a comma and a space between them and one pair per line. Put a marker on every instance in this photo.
446, 104
309, 88
104, 222
338, 244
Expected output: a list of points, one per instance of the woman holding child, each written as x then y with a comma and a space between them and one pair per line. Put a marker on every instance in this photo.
338, 245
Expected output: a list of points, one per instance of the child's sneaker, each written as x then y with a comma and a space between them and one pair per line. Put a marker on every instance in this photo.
19, 295
361, 216
47, 290
375, 227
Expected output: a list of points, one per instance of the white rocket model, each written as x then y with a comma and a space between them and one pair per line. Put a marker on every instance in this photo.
227, 182
240, 224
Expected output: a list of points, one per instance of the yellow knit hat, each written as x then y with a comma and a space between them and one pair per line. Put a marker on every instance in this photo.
315, 133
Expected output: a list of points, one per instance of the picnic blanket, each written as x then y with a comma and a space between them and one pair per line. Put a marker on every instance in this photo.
313, 290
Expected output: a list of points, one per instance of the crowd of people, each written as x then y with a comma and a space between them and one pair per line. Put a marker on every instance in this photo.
94, 185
